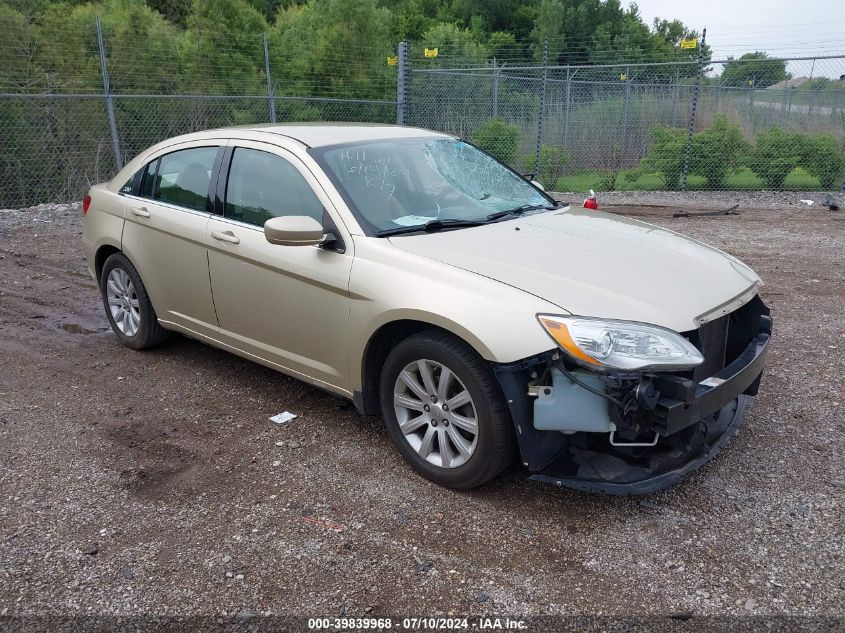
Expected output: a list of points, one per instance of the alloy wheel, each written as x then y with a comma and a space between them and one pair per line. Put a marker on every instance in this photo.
123, 302
436, 413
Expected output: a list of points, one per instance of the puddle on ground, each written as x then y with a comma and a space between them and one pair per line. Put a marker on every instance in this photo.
84, 276
75, 328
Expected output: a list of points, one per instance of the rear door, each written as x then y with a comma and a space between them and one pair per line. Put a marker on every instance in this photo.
285, 304
164, 234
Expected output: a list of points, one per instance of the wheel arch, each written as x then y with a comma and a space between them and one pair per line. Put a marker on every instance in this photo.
103, 253
384, 339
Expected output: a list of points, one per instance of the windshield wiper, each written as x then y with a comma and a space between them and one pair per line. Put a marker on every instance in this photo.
430, 227
518, 211
437, 225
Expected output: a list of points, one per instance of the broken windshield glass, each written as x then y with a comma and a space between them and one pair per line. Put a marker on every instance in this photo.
410, 182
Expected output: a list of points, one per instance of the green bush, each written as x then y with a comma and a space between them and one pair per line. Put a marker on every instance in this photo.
666, 154
716, 152
822, 157
776, 154
552, 161
498, 138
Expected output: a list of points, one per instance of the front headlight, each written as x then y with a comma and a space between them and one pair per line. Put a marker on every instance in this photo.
603, 344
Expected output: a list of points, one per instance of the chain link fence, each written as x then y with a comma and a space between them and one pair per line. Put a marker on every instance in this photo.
74, 109
648, 126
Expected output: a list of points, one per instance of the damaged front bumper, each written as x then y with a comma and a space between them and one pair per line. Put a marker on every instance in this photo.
689, 420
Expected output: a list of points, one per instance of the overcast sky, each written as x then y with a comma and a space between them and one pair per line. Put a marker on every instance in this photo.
783, 28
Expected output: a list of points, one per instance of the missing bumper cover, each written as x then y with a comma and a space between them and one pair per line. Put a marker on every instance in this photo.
693, 421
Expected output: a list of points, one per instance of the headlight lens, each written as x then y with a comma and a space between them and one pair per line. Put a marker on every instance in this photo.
603, 344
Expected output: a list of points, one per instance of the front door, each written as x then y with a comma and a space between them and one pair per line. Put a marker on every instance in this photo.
285, 304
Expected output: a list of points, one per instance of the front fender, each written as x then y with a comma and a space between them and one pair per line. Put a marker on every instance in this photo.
389, 285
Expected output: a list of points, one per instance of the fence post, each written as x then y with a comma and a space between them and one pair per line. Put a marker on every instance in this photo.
569, 75
783, 106
810, 100
271, 101
495, 95
623, 136
402, 84
542, 107
675, 96
693, 104
719, 94
118, 160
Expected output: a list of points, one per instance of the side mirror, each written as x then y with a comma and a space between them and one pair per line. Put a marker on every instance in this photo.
538, 185
294, 230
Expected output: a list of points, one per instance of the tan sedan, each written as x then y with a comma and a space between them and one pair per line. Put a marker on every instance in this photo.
412, 273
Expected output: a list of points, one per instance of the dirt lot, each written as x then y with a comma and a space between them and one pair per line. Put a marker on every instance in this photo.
137, 483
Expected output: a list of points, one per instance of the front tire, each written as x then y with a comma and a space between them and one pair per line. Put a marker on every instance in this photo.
445, 411
128, 307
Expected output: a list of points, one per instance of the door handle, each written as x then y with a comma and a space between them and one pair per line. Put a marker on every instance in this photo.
225, 236
141, 212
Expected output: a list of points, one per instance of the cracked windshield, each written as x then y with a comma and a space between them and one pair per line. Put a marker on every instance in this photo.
395, 184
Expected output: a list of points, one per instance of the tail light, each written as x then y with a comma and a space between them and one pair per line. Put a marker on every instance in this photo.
86, 202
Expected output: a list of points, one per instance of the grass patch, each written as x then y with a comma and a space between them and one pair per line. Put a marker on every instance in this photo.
797, 180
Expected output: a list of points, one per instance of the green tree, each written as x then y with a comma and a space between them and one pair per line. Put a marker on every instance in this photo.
495, 15
175, 11
18, 46
503, 46
455, 43
754, 69
603, 31
222, 48
671, 33
411, 20
333, 48
28, 9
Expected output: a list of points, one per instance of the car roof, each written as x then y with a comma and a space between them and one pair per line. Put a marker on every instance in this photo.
322, 134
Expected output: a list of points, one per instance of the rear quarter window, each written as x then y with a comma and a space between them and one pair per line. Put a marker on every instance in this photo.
131, 185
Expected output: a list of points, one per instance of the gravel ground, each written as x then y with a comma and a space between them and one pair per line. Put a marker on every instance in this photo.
151, 483
712, 200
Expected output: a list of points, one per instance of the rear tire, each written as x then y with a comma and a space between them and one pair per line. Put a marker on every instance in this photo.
128, 307
462, 446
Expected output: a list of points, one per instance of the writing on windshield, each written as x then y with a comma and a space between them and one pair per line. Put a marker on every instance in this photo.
409, 182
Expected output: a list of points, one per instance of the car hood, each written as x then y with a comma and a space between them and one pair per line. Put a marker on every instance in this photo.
598, 264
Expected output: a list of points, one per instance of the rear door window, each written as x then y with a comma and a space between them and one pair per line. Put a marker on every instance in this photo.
182, 178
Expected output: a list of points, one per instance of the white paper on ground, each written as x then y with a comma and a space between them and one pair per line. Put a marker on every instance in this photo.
807, 202
283, 418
